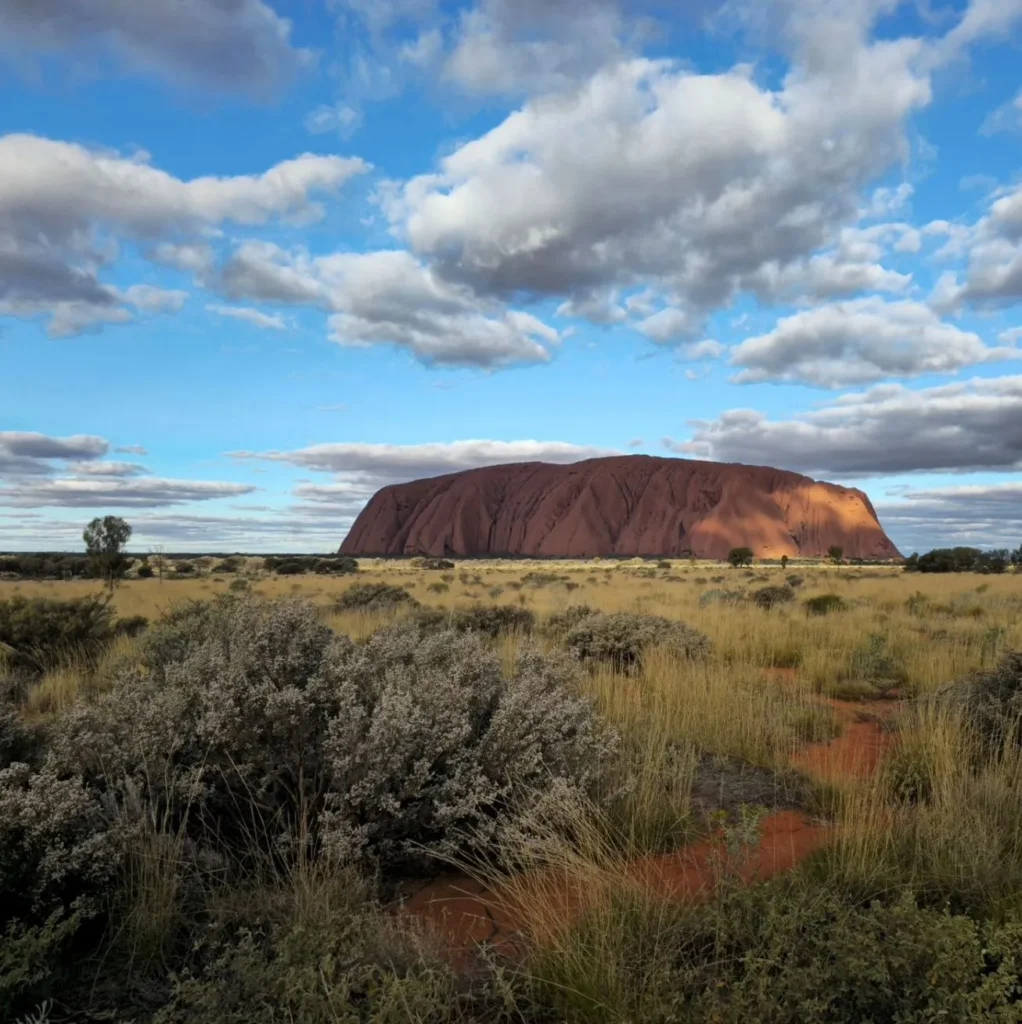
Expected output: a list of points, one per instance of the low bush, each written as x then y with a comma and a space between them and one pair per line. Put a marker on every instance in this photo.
227, 565
991, 702
342, 565
494, 620
318, 951
238, 586
824, 604
773, 597
251, 719
622, 638
184, 568
144, 571
374, 597
438, 587
436, 564
721, 595
794, 580
783, 954
291, 567
542, 579
39, 633
561, 622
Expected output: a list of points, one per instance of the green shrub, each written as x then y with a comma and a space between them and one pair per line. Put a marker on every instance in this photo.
794, 580
227, 565
494, 620
238, 586
144, 571
323, 954
130, 625
438, 587
39, 633
623, 638
991, 701
291, 567
740, 556
436, 563
824, 604
783, 954
184, 568
374, 597
341, 565
773, 597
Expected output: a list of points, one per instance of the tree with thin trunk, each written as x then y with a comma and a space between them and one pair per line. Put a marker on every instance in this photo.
104, 543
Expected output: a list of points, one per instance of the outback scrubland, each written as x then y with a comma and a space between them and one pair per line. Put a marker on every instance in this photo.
507, 791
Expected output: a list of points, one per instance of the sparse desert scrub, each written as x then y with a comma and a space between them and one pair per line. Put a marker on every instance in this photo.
622, 639
215, 873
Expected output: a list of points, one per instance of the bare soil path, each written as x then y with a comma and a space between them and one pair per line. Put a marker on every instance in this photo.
464, 914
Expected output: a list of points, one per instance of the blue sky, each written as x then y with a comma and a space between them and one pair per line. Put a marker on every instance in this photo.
258, 259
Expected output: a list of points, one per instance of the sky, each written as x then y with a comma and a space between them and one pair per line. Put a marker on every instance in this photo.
260, 258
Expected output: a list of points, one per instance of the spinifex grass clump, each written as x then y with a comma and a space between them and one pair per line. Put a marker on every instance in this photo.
623, 638
374, 597
38, 633
824, 604
486, 620
773, 597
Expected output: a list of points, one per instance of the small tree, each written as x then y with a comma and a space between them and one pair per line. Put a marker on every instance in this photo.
740, 556
157, 559
104, 543
835, 553
784, 561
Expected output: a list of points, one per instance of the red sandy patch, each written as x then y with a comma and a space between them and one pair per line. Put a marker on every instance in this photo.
464, 913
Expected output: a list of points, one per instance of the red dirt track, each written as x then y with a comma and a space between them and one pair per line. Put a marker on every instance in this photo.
463, 913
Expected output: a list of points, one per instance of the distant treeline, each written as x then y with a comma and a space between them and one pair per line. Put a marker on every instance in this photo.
964, 560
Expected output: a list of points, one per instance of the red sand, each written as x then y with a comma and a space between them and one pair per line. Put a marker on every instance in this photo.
464, 913
624, 505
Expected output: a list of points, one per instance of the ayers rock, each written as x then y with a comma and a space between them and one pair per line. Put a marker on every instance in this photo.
623, 505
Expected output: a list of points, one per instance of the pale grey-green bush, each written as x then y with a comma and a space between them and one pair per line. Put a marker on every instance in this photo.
271, 724
623, 637
437, 742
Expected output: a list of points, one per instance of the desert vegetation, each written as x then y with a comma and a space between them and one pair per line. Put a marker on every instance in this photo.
603, 791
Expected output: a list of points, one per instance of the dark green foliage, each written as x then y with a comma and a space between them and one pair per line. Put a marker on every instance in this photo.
740, 556
321, 955
228, 565
105, 539
662, 563
131, 625
992, 701
783, 954
494, 620
291, 567
46, 567
37, 634
340, 566
238, 586
374, 597
960, 559
773, 597
824, 604
623, 638
144, 571
436, 564
784, 561
836, 553
184, 568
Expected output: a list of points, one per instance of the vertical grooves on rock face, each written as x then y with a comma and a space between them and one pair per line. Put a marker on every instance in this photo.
623, 505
